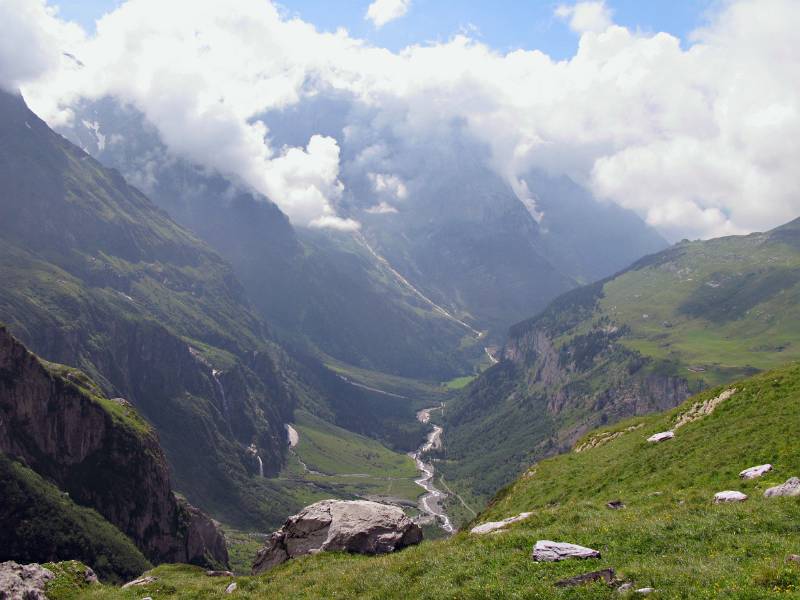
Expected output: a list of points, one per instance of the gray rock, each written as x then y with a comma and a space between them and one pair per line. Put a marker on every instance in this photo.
625, 587
615, 505
357, 526
729, 496
547, 551
497, 525
645, 591
23, 582
790, 488
140, 581
755, 472
606, 575
231, 588
219, 574
89, 576
793, 558
661, 437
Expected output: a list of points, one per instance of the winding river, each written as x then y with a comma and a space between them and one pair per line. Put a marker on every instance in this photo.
431, 502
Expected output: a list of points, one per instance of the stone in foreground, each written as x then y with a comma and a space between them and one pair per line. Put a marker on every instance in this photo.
729, 496
790, 488
147, 579
661, 437
547, 551
357, 526
23, 582
497, 525
608, 576
755, 472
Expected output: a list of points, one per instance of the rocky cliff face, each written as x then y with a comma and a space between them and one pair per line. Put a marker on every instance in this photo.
101, 453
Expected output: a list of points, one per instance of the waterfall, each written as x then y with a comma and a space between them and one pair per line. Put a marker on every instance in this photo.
260, 466
221, 389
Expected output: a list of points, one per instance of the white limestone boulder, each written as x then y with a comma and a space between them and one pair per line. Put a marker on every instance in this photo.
755, 472
497, 525
547, 551
661, 437
729, 496
790, 488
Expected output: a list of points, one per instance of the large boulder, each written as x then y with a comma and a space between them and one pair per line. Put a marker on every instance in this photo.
356, 526
547, 551
790, 488
23, 582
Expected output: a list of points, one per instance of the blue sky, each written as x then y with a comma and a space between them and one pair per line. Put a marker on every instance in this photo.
502, 24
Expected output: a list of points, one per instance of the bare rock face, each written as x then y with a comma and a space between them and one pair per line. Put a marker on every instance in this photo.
729, 496
204, 542
547, 551
49, 421
23, 582
790, 488
755, 472
356, 526
498, 525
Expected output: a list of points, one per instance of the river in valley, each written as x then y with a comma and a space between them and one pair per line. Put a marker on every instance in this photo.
431, 502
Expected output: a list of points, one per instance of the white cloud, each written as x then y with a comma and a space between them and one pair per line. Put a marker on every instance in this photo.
382, 208
699, 140
388, 185
30, 40
593, 16
381, 12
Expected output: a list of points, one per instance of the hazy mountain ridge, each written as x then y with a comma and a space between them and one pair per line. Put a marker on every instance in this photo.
698, 314
96, 276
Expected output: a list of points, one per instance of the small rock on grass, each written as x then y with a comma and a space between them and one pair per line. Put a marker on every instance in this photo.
790, 488
793, 558
615, 504
140, 581
661, 437
231, 588
219, 573
729, 496
606, 575
755, 472
494, 526
547, 551
645, 591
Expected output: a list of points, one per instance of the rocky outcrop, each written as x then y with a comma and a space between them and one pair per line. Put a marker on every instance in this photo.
23, 582
357, 526
101, 453
698, 410
790, 488
729, 496
498, 525
547, 551
755, 472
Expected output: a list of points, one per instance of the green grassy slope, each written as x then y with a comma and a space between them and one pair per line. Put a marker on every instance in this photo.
670, 536
693, 316
40, 522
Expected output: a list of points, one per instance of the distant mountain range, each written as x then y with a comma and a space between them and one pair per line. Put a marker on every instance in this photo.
460, 242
